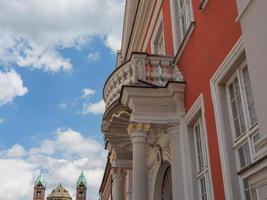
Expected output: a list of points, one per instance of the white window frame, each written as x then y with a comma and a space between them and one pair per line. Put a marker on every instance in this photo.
203, 4
204, 171
157, 34
250, 129
184, 12
195, 115
180, 39
234, 61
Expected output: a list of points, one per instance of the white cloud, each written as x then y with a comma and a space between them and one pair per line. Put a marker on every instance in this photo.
35, 40
94, 108
11, 85
62, 105
16, 179
15, 151
93, 56
1, 120
62, 157
88, 92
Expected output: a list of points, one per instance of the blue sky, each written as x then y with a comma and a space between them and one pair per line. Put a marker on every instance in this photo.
55, 56
38, 113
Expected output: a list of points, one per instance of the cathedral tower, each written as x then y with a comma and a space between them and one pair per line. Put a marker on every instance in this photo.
39, 187
81, 188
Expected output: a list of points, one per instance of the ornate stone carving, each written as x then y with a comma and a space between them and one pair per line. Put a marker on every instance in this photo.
138, 126
159, 154
140, 70
157, 70
105, 126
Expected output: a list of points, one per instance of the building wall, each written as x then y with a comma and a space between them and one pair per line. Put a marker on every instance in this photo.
216, 31
252, 16
106, 195
214, 36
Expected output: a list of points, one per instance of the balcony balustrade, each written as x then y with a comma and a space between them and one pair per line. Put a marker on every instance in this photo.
155, 70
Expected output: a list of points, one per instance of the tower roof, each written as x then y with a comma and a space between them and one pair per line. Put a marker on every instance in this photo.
59, 192
40, 180
81, 181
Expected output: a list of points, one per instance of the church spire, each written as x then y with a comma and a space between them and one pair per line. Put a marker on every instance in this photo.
81, 181
39, 187
81, 187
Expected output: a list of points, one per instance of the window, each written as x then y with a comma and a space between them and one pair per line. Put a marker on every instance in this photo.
202, 170
182, 24
185, 16
240, 140
159, 47
242, 116
80, 193
157, 39
38, 193
196, 153
243, 121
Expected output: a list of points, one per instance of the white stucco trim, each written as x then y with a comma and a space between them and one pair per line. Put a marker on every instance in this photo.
215, 82
243, 9
197, 110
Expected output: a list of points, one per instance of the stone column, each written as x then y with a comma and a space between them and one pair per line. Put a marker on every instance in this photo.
176, 163
138, 133
118, 179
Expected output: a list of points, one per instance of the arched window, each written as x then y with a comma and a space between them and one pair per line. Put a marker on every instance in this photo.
166, 190
81, 194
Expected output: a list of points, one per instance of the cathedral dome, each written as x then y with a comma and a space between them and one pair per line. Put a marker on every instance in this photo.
60, 193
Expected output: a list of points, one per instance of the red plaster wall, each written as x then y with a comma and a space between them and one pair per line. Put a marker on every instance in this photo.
107, 189
214, 36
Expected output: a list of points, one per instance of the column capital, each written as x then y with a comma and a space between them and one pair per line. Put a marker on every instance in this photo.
118, 171
118, 174
135, 126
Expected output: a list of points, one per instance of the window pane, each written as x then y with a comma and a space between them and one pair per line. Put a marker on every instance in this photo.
236, 86
244, 155
247, 153
237, 127
203, 190
241, 155
237, 108
199, 149
256, 138
246, 75
185, 16
234, 109
246, 189
241, 115
231, 91
252, 114
249, 96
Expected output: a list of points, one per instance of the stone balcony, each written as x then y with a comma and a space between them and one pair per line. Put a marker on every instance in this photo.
142, 68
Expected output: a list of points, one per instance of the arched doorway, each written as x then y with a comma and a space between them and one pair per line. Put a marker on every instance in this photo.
166, 189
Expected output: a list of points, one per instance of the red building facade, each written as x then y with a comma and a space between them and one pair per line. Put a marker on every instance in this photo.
183, 117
